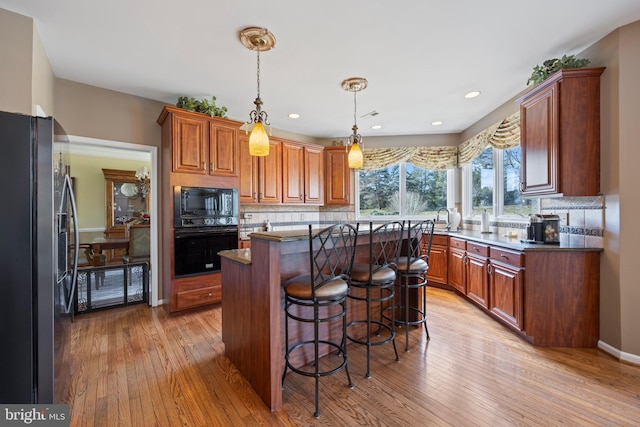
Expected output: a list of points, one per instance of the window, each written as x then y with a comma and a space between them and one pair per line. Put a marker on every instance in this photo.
482, 182
492, 182
401, 191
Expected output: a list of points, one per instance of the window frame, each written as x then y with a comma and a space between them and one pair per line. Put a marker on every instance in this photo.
402, 188
498, 191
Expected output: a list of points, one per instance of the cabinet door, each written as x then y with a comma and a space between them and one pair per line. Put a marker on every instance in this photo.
437, 265
505, 283
539, 136
457, 270
477, 280
293, 173
270, 174
223, 149
337, 177
189, 145
313, 175
248, 165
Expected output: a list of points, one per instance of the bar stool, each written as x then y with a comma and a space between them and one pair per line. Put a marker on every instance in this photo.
320, 297
412, 277
376, 280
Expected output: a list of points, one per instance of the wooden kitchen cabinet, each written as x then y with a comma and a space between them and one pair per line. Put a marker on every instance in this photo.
477, 277
260, 177
302, 174
337, 176
457, 264
201, 144
438, 268
506, 278
560, 135
549, 296
313, 175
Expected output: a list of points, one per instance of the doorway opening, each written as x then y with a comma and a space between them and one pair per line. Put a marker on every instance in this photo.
101, 148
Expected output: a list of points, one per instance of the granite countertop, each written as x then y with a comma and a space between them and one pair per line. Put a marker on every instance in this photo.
242, 256
488, 238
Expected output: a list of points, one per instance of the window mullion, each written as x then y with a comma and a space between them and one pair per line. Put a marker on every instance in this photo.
498, 182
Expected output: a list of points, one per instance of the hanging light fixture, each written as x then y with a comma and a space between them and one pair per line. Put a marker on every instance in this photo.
260, 40
355, 157
142, 175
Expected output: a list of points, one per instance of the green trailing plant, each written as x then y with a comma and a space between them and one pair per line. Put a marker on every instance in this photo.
550, 66
203, 106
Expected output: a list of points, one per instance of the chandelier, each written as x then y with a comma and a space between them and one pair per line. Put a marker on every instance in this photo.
260, 40
142, 175
355, 157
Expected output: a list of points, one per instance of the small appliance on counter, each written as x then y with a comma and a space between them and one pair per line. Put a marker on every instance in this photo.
543, 229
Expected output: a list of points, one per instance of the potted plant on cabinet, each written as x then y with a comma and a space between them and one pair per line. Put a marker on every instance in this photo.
542, 72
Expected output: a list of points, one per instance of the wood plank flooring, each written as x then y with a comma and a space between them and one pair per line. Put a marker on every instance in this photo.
136, 366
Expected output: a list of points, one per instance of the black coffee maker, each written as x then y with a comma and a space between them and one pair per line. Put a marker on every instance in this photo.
543, 229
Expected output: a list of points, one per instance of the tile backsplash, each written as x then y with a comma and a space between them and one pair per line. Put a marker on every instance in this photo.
585, 218
254, 217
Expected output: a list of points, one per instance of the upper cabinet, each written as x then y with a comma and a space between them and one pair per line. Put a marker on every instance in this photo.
260, 177
200, 144
303, 173
337, 180
560, 135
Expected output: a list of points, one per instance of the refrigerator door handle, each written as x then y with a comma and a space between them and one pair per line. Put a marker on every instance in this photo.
67, 189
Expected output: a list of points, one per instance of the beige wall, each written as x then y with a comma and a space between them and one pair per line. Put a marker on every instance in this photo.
16, 41
93, 112
90, 186
43, 80
629, 156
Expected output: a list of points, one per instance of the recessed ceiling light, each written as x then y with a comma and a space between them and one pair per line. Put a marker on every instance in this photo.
294, 115
376, 127
472, 94
437, 123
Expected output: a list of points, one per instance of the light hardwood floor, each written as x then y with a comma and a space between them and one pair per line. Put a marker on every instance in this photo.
137, 366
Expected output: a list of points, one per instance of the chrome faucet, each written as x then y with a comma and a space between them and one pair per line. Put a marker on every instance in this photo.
438, 217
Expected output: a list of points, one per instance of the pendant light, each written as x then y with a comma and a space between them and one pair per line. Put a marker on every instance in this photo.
355, 157
260, 40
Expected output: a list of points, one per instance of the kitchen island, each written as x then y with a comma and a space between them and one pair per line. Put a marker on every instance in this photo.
553, 297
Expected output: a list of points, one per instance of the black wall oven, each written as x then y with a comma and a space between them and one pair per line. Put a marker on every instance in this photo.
205, 223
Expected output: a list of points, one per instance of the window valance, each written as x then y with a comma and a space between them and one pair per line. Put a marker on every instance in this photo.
502, 135
433, 158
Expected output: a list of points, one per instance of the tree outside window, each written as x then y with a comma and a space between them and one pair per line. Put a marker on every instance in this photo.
401, 190
482, 173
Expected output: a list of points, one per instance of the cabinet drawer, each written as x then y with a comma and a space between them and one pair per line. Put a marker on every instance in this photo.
508, 257
477, 249
198, 297
192, 283
457, 243
439, 239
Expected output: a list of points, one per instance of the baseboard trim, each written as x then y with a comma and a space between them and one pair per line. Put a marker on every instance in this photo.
620, 355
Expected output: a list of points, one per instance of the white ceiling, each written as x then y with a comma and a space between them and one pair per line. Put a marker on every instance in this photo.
420, 57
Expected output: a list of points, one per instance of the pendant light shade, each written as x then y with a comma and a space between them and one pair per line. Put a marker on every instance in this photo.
258, 141
355, 158
258, 39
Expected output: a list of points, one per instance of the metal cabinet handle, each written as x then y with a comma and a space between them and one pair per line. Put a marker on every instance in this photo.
489, 268
209, 295
503, 256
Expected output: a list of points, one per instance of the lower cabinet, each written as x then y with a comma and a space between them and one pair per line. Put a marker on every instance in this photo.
477, 277
550, 296
438, 268
195, 291
506, 280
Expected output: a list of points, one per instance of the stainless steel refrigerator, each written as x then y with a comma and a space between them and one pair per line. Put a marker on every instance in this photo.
35, 277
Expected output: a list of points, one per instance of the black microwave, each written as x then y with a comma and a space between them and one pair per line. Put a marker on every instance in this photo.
205, 206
